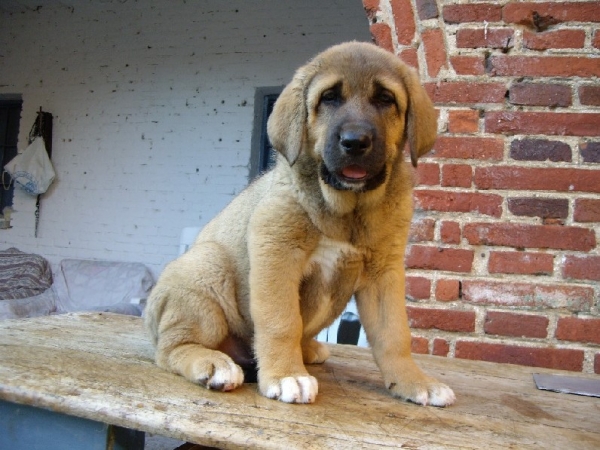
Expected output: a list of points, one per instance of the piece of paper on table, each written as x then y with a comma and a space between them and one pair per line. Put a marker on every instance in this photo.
567, 384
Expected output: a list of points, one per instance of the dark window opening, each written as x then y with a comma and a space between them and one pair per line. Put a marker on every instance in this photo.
10, 116
263, 156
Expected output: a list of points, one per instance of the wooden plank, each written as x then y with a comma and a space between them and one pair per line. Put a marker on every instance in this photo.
99, 366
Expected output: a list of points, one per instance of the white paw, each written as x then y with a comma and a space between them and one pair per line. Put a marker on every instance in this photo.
302, 389
435, 395
441, 395
219, 374
226, 378
427, 391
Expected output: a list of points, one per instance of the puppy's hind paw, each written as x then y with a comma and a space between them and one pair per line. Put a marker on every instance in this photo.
314, 352
300, 389
219, 373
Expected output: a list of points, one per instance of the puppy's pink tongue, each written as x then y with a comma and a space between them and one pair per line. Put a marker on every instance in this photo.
354, 172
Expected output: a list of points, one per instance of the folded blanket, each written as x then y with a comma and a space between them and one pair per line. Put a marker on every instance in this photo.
23, 274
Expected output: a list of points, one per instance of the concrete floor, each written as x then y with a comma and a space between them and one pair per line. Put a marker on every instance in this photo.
154, 442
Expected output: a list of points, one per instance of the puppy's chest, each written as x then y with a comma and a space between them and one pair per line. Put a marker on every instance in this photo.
332, 259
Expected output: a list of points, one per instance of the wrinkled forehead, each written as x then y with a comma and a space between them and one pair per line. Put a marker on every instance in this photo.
357, 77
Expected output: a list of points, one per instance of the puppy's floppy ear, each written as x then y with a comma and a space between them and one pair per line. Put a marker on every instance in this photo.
287, 123
421, 118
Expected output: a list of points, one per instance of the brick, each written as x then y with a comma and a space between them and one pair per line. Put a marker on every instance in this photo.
578, 329
468, 65
421, 230
428, 174
553, 208
450, 232
435, 50
427, 9
467, 147
543, 66
371, 7
551, 358
440, 347
523, 263
596, 39
457, 175
528, 295
596, 363
515, 325
553, 39
382, 35
536, 14
582, 267
404, 21
466, 92
530, 236
540, 94
419, 345
549, 123
418, 288
410, 57
590, 152
447, 290
472, 12
463, 121
589, 94
537, 179
540, 150
485, 38
441, 319
447, 201
434, 258
586, 210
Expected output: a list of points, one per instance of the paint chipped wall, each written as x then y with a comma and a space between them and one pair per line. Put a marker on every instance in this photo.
153, 111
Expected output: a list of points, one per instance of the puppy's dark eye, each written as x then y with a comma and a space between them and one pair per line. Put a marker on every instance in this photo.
384, 98
331, 96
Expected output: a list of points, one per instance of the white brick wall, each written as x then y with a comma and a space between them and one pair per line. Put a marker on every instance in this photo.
153, 111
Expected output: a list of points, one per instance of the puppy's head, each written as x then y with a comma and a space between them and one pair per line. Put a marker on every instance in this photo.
353, 107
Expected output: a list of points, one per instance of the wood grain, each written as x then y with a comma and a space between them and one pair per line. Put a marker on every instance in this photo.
99, 366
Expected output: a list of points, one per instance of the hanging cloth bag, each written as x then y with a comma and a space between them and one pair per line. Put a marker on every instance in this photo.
32, 170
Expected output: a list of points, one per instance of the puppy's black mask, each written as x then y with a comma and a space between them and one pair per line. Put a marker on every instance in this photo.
336, 183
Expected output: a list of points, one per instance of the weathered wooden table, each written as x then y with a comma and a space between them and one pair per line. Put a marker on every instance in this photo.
99, 367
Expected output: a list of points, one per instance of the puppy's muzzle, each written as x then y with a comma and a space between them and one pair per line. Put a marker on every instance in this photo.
352, 159
356, 140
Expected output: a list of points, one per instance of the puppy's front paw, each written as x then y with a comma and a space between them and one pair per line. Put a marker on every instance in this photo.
217, 372
298, 389
427, 391
441, 395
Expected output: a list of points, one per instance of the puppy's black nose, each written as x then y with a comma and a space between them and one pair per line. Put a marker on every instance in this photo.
355, 142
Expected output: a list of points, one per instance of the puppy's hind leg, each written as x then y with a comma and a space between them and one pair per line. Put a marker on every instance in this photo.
188, 347
188, 324
193, 359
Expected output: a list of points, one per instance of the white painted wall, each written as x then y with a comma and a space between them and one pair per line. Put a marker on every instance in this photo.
153, 111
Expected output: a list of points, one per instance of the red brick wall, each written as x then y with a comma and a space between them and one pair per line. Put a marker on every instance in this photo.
504, 263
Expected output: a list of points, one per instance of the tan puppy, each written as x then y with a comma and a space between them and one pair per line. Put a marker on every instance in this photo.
331, 220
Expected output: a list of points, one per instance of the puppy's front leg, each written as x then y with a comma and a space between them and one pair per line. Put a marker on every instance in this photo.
382, 312
275, 275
